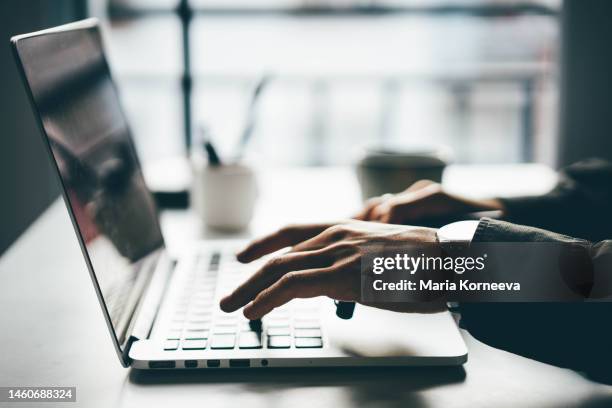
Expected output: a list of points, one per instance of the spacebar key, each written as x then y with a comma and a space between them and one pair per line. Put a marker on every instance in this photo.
223, 341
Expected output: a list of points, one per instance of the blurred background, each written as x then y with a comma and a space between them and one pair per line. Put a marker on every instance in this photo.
479, 76
342, 73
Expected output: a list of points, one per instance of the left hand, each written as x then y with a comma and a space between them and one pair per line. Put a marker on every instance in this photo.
325, 260
422, 200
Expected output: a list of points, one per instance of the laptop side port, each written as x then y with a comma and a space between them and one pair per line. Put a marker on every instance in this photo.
213, 363
162, 364
242, 362
191, 363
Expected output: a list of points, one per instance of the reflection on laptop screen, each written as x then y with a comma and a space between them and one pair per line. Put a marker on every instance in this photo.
77, 102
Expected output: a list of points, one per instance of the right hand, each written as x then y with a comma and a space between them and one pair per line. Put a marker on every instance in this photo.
324, 260
424, 199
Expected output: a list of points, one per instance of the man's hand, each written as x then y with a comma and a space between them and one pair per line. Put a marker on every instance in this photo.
424, 199
325, 260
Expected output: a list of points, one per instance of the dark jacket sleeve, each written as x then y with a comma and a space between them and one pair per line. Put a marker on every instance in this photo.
579, 206
573, 335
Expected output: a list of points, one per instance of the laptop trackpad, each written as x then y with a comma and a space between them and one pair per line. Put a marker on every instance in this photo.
381, 333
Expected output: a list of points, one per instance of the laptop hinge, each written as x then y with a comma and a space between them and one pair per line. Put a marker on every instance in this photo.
148, 308
125, 355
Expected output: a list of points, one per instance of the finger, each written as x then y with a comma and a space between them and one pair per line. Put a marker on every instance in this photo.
396, 214
328, 236
419, 185
303, 284
272, 271
284, 237
364, 214
409, 206
380, 212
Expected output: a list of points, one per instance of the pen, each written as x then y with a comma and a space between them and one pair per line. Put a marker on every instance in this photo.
213, 157
211, 152
344, 310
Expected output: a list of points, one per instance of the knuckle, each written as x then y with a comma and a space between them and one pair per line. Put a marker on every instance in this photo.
342, 248
280, 232
334, 228
273, 263
289, 229
290, 283
264, 296
290, 279
337, 231
373, 202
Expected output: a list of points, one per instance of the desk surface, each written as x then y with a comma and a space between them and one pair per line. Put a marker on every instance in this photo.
53, 332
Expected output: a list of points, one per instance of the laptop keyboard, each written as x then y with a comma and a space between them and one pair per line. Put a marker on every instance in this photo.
198, 324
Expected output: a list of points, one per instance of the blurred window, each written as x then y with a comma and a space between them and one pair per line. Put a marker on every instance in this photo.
478, 76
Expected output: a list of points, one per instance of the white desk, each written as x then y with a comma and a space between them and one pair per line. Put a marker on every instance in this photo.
53, 332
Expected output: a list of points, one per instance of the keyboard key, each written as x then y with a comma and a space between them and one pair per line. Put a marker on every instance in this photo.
199, 320
308, 342
196, 334
306, 324
277, 322
275, 342
307, 333
197, 326
171, 344
200, 314
174, 334
227, 319
278, 331
249, 340
194, 344
245, 326
223, 341
201, 304
279, 314
225, 329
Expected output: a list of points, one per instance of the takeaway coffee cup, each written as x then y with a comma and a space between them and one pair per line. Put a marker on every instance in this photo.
387, 170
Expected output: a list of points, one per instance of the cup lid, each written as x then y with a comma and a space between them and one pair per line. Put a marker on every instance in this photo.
405, 156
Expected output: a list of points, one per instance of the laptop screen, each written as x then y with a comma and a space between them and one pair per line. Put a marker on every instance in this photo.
91, 144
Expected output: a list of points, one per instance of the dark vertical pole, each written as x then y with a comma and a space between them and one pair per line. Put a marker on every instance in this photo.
461, 93
185, 14
586, 83
527, 128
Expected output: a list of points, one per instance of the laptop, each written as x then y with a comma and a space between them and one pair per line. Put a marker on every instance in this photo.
163, 313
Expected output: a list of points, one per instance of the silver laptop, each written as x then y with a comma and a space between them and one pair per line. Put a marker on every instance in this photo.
163, 313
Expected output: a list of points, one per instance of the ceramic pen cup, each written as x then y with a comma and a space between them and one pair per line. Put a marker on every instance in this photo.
224, 196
